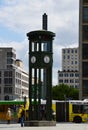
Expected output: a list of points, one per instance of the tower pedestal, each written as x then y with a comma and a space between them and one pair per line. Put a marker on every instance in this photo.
39, 123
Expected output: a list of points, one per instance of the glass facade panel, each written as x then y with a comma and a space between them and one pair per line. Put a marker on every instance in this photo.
85, 1
0, 74
85, 69
85, 51
85, 14
0, 80
85, 87
85, 33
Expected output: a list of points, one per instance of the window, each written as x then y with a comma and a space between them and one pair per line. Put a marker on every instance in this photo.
17, 90
75, 50
68, 57
66, 75
75, 62
71, 80
24, 77
72, 62
24, 84
8, 90
7, 81
66, 80
72, 51
85, 87
61, 75
85, 51
0, 80
76, 81
8, 74
60, 81
64, 51
76, 86
9, 54
71, 75
68, 51
85, 14
45, 46
76, 75
18, 75
18, 82
9, 61
85, 1
85, 32
77, 108
9, 66
0, 74
85, 69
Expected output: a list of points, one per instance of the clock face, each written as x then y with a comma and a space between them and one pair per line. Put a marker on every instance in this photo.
46, 59
33, 59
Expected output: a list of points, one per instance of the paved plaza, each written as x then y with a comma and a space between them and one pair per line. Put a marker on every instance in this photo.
59, 126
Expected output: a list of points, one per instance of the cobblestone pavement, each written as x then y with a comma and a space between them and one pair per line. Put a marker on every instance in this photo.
59, 126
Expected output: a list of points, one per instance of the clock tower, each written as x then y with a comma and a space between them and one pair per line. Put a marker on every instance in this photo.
40, 59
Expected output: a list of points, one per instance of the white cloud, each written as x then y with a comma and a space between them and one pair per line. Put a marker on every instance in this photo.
21, 50
23, 14
26, 15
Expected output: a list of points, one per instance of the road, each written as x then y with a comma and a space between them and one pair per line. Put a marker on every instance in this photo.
59, 126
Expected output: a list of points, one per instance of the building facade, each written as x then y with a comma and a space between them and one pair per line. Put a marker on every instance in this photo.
83, 48
70, 59
70, 68
13, 79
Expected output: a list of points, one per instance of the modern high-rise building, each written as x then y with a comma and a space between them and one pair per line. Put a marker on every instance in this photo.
13, 78
83, 48
70, 68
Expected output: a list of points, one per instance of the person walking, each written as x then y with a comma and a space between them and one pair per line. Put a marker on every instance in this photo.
8, 116
22, 118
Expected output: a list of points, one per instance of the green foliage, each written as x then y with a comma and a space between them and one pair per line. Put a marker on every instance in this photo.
62, 92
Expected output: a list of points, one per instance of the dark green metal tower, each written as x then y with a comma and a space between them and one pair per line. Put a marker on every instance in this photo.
40, 59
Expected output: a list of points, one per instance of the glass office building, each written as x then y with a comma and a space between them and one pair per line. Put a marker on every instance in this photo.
83, 48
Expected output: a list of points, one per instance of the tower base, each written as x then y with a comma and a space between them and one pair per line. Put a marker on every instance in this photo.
39, 123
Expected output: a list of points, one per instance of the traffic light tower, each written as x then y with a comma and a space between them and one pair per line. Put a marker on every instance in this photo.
40, 59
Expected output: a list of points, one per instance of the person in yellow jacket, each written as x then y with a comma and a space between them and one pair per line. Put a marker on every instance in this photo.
8, 116
19, 112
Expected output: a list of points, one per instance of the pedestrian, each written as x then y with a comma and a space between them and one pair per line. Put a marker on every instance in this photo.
22, 117
8, 116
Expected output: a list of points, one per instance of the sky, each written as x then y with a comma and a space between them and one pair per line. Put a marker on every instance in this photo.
18, 17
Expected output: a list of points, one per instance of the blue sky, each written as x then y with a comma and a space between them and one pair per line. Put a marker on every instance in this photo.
7, 34
18, 17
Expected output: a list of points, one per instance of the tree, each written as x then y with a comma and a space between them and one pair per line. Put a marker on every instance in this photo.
62, 92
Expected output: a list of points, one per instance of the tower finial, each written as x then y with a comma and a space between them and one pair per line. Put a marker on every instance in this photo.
44, 21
